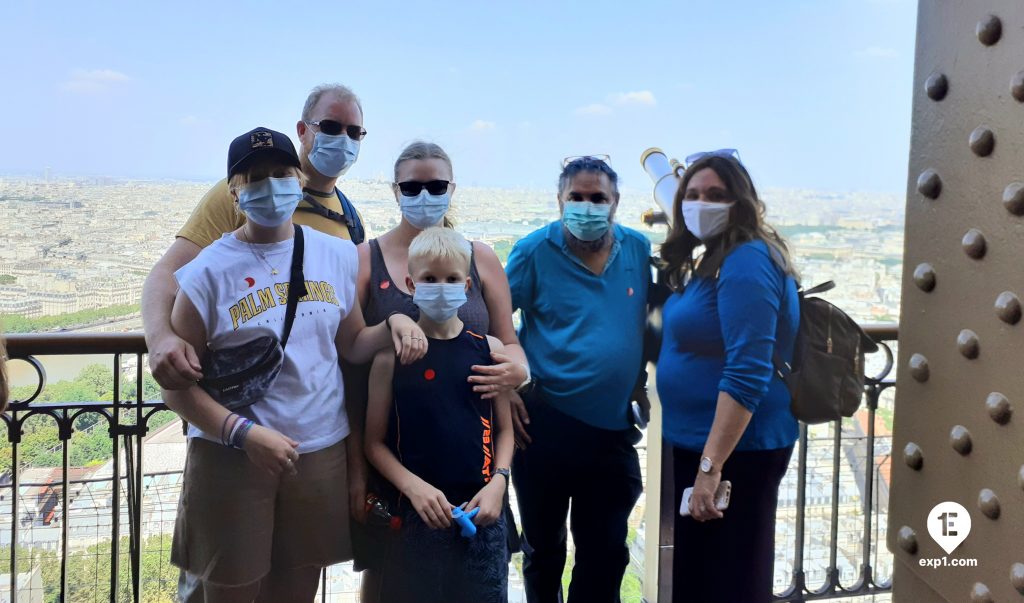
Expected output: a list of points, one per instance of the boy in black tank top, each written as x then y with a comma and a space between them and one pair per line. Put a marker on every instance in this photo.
442, 446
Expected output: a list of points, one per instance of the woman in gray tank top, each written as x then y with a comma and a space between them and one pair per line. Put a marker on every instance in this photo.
424, 183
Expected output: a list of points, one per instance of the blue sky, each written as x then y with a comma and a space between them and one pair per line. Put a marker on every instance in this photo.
815, 94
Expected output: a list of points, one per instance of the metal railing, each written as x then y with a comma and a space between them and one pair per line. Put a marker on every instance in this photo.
866, 583
127, 418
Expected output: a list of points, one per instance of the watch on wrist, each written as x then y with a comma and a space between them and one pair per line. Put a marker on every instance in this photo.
707, 465
504, 472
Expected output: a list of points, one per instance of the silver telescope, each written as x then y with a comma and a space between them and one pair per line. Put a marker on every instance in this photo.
666, 174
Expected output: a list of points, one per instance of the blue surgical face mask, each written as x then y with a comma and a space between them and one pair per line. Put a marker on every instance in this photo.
587, 221
424, 210
439, 301
332, 156
271, 201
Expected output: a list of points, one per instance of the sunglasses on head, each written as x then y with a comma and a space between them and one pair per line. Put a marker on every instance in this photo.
335, 128
586, 158
411, 188
694, 158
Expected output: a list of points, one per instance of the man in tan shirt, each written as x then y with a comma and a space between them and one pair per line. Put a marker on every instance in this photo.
330, 131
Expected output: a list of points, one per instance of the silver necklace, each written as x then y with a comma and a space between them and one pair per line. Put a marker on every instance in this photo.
258, 254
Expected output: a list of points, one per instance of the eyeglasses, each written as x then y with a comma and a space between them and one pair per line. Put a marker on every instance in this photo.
334, 128
694, 158
411, 188
605, 159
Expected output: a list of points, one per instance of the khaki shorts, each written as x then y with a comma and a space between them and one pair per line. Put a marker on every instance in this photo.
235, 520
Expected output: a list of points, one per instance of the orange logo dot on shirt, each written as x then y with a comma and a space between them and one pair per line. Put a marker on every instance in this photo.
385, 284
629, 292
429, 374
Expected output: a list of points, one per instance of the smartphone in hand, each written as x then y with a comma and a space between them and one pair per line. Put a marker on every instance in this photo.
722, 496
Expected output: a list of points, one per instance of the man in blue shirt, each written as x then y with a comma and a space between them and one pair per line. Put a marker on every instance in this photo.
581, 284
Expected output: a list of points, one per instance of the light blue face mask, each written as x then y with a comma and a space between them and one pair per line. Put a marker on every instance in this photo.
332, 156
271, 201
424, 210
587, 221
439, 301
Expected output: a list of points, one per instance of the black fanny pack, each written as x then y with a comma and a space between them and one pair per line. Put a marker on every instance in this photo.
239, 376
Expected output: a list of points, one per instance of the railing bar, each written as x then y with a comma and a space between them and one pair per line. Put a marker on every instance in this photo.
323, 585
115, 482
138, 477
801, 512
833, 552
15, 492
869, 479
65, 483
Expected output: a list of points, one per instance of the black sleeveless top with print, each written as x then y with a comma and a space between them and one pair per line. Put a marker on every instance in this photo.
439, 428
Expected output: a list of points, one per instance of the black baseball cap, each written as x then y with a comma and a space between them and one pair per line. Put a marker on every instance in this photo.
257, 143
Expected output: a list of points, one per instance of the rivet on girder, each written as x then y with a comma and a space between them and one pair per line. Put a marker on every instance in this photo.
913, 456
907, 539
999, 408
919, 368
1013, 198
988, 502
982, 141
1017, 577
989, 30
967, 343
981, 594
960, 439
974, 244
924, 277
929, 184
1008, 308
936, 86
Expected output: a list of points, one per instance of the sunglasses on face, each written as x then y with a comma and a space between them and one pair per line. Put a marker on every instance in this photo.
411, 188
335, 128
694, 158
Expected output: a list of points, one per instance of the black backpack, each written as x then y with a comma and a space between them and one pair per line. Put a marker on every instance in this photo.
826, 377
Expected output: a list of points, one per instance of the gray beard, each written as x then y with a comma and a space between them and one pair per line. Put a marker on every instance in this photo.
580, 246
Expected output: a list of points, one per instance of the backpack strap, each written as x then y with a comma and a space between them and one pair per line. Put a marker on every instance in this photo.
350, 217
296, 285
823, 287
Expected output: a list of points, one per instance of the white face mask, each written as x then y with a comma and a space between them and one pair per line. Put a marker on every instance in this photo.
706, 219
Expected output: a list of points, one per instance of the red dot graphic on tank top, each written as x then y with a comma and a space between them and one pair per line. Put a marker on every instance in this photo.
250, 281
429, 374
629, 292
385, 284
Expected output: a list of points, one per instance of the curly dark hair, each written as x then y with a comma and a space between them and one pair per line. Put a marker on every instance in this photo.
746, 223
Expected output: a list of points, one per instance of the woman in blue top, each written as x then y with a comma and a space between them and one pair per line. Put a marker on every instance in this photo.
726, 412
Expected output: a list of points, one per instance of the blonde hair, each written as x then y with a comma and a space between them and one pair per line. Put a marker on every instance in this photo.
436, 243
261, 169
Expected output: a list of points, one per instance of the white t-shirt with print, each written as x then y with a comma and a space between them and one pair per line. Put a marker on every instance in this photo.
239, 300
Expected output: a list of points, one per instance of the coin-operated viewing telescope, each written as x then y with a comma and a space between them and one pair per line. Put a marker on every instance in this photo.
666, 174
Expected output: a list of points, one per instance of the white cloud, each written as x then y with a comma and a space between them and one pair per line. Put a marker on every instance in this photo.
91, 81
641, 97
878, 52
482, 125
594, 109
